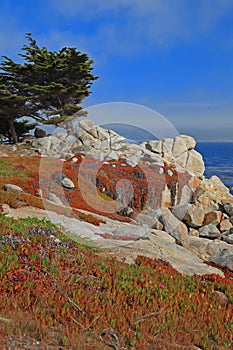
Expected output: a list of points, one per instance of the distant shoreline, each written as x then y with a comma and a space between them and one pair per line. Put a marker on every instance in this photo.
215, 141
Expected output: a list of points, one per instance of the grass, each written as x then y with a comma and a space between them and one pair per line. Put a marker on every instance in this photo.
7, 168
69, 295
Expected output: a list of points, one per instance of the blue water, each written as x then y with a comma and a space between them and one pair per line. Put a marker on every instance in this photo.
218, 157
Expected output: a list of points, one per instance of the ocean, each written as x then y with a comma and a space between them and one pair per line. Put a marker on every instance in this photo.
218, 157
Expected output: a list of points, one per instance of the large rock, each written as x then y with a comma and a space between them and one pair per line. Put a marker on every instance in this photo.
112, 155
213, 217
68, 183
180, 258
167, 146
174, 227
182, 159
225, 225
228, 207
48, 145
195, 164
185, 195
161, 235
227, 236
2, 154
127, 231
39, 133
70, 140
189, 141
86, 125
211, 194
192, 215
150, 221
179, 146
154, 146
209, 231
204, 247
61, 135
224, 259
11, 187
52, 197
97, 137
88, 140
151, 157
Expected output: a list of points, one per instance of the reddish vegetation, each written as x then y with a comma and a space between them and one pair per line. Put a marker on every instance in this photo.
144, 182
66, 295
75, 298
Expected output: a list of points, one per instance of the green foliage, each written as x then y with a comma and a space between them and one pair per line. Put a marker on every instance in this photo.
57, 82
49, 86
22, 127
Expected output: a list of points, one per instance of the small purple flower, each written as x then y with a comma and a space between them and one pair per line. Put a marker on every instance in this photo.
162, 286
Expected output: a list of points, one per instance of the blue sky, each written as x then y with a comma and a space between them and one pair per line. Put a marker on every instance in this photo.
174, 56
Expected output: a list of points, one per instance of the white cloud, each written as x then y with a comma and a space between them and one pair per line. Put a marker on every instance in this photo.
127, 27
160, 23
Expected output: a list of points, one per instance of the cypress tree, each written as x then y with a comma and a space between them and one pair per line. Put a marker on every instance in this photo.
57, 82
49, 86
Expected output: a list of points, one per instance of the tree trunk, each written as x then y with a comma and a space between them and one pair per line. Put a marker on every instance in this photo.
12, 131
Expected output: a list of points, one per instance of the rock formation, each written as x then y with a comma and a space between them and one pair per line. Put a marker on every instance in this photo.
166, 177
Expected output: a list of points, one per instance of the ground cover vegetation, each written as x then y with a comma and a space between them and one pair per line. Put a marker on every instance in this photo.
62, 293
65, 294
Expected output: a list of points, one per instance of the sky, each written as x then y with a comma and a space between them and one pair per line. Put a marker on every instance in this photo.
172, 56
